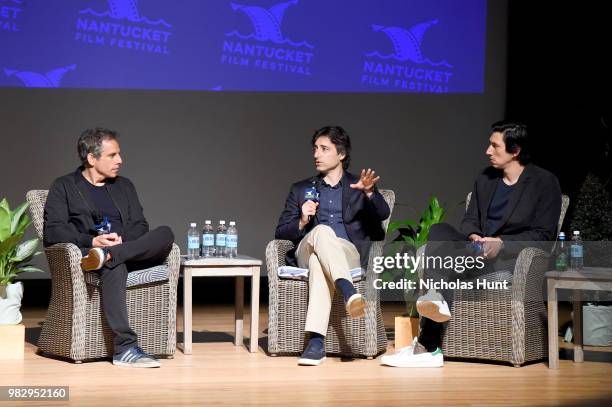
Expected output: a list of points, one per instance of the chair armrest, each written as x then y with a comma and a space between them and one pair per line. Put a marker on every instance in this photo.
173, 262
528, 275
64, 261
275, 257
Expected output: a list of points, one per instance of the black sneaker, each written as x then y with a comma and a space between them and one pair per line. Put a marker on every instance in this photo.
135, 357
313, 355
94, 260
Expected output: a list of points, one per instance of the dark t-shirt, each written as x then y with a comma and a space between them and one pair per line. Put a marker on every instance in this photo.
105, 206
498, 206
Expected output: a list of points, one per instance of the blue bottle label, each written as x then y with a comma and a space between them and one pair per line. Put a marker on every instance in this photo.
576, 250
208, 240
193, 242
232, 241
220, 239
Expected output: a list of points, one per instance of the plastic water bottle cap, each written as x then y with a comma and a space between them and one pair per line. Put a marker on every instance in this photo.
207, 222
221, 222
232, 223
576, 232
193, 224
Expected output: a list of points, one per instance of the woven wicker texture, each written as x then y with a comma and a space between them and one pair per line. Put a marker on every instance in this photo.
503, 325
345, 336
75, 328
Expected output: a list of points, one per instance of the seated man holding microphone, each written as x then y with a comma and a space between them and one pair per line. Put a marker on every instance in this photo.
331, 218
99, 211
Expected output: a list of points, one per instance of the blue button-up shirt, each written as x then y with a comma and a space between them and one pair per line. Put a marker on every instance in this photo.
330, 208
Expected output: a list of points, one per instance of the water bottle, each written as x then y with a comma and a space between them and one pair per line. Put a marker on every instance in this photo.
220, 239
232, 240
562, 257
208, 240
576, 252
193, 242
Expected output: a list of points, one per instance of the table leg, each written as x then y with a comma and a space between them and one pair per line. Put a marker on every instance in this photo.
254, 338
578, 352
187, 311
239, 311
553, 326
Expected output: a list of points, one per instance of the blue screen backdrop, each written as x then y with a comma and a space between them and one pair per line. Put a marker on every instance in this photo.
413, 46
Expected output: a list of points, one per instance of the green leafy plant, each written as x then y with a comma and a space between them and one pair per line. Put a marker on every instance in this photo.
15, 254
592, 216
411, 235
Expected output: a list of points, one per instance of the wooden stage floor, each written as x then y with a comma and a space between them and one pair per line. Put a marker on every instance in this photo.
220, 373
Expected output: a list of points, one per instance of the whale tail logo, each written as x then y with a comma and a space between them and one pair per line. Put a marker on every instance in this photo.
266, 22
124, 9
51, 79
407, 42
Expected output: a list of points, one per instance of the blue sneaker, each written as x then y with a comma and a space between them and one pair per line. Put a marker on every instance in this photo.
135, 357
313, 355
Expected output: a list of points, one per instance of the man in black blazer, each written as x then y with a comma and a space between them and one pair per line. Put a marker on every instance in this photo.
99, 211
512, 201
331, 218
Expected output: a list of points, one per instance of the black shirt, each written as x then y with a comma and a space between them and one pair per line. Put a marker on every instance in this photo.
498, 206
105, 206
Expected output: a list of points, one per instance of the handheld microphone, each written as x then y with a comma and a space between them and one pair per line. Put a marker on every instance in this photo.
312, 194
103, 227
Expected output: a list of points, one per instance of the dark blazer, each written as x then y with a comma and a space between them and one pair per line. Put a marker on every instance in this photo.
362, 216
533, 207
70, 212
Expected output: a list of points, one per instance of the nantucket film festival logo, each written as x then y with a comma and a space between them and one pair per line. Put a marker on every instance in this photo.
10, 11
266, 47
406, 68
51, 79
122, 26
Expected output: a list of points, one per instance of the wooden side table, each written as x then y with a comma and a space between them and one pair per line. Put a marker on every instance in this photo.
589, 278
239, 267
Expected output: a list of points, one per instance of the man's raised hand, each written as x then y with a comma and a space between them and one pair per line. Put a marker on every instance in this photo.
366, 182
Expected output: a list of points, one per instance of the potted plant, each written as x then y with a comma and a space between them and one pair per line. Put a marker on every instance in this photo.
15, 256
592, 216
411, 236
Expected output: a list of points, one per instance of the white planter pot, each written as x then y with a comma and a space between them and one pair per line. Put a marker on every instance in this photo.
10, 302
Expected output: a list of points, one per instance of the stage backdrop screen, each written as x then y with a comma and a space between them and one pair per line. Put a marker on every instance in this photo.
417, 46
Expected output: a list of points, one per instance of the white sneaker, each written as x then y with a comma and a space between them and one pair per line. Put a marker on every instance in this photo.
388, 359
433, 306
405, 357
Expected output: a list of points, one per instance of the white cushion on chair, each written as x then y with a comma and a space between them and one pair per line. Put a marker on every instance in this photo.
135, 278
296, 273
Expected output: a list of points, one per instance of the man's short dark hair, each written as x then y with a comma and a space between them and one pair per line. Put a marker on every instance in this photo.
515, 137
339, 138
91, 140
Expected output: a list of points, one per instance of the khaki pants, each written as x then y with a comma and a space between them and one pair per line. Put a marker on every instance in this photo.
327, 258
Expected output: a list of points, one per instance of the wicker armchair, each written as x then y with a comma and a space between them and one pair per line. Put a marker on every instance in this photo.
503, 325
75, 328
345, 336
